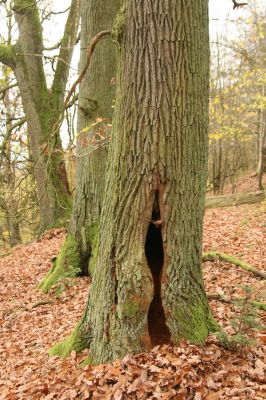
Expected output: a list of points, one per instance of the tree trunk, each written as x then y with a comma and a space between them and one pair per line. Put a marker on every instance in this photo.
262, 149
10, 201
147, 286
96, 96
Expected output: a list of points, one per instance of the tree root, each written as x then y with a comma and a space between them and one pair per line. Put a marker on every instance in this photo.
221, 297
214, 255
41, 303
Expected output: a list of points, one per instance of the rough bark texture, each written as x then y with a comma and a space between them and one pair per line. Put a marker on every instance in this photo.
43, 106
96, 96
234, 199
147, 286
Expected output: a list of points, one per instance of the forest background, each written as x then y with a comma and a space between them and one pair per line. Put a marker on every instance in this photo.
237, 114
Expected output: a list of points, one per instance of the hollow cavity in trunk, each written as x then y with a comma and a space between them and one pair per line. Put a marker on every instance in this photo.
158, 330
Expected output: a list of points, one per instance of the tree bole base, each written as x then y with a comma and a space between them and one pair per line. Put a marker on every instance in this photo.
67, 265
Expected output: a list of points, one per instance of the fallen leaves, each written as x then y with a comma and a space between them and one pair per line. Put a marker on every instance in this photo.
32, 322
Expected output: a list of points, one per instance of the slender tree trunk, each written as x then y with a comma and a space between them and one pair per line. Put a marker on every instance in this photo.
96, 96
147, 286
10, 196
262, 146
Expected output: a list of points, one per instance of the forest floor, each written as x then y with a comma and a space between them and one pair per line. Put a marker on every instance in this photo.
210, 372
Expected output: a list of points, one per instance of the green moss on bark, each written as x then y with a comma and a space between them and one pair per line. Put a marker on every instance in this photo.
119, 25
69, 260
130, 309
195, 323
7, 54
75, 342
67, 264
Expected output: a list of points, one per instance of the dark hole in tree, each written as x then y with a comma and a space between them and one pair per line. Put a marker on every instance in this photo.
158, 331
84, 263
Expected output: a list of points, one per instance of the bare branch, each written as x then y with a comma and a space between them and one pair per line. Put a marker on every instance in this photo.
90, 51
49, 13
236, 4
8, 135
4, 89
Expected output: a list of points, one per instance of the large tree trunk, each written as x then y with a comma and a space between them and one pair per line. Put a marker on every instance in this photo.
147, 286
96, 96
43, 107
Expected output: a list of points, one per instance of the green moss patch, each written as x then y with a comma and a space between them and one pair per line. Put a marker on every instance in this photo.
67, 265
74, 342
195, 323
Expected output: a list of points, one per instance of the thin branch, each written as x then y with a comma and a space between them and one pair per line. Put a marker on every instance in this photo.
54, 47
47, 57
90, 51
17, 124
4, 89
8, 135
44, 17
236, 4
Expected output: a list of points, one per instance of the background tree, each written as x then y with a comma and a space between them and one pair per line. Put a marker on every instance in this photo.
8, 198
42, 105
147, 285
95, 101
237, 103
10, 195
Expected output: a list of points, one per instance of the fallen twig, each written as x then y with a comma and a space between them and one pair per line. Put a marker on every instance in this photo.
41, 303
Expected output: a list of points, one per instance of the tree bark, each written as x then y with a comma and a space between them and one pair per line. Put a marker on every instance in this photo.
96, 96
43, 106
147, 286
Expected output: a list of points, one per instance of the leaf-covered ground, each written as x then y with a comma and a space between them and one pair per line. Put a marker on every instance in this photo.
31, 322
